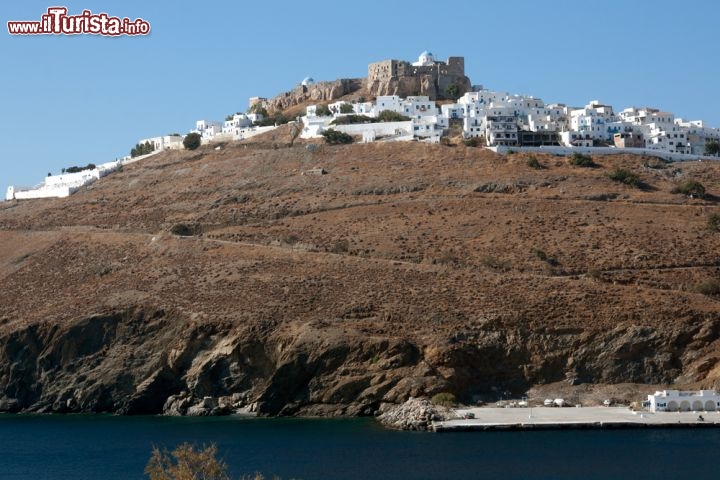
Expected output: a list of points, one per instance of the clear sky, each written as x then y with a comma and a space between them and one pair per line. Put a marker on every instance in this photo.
73, 100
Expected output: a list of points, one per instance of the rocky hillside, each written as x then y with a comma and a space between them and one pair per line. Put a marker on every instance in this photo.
208, 281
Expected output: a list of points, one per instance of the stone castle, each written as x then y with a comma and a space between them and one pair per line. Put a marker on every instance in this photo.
427, 76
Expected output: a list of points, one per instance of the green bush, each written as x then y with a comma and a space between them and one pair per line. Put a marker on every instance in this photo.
444, 399
625, 176
452, 92
142, 149
472, 142
346, 108
690, 187
581, 160
533, 162
185, 463
322, 111
192, 141
390, 116
713, 222
334, 137
352, 119
277, 118
711, 286
712, 147
74, 169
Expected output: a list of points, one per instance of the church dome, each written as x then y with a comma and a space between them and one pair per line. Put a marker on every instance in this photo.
307, 81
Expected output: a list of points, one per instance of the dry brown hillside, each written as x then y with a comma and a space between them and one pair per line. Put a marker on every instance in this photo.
406, 269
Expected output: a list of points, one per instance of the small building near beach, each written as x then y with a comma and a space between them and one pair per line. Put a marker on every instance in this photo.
676, 400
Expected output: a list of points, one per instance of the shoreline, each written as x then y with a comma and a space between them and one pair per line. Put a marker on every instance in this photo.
566, 418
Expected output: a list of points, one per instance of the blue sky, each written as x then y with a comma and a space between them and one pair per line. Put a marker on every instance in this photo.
72, 100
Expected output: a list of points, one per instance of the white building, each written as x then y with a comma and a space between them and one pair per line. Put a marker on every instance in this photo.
166, 142
425, 59
238, 122
208, 128
57, 186
675, 400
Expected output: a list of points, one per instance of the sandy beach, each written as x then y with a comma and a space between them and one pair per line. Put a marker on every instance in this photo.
490, 418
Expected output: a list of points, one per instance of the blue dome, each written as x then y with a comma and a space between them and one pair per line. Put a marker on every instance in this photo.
426, 54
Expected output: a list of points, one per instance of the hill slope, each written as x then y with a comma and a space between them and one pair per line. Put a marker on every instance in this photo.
407, 269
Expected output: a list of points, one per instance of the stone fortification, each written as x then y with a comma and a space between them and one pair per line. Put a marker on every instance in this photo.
398, 77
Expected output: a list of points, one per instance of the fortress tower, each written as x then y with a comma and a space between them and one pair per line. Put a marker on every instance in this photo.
427, 76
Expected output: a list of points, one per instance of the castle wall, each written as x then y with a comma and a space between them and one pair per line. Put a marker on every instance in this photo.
402, 78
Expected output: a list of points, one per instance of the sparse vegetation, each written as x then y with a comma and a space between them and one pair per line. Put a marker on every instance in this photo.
185, 229
712, 148
322, 110
533, 162
541, 255
452, 92
472, 142
581, 160
335, 137
710, 287
495, 263
89, 166
346, 108
352, 119
142, 149
192, 141
655, 163
625, 176
340, 246
276, 118
443, 399
713, 222
186, 463
446, 141
390, 116
690, 188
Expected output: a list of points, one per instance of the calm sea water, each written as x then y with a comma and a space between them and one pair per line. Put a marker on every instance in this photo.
107, 447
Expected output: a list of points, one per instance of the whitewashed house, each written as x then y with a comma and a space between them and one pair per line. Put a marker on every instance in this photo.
388, 102
166, 142
675, 400
208, 128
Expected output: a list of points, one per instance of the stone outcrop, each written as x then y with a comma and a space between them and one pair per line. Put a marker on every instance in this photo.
138, 362
414, 414
413, 85
320, 92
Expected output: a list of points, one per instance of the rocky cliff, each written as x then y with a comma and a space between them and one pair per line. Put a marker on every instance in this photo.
320, 92
414, 85
395, 275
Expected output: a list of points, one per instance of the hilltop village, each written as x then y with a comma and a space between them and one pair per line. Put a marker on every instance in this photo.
428, 100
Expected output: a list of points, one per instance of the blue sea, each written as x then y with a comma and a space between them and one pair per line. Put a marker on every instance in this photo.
108, 447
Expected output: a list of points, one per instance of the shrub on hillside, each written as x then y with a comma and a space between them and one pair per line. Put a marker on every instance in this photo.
322, 110
335, 137
690, 188
192, 141
711, 286
625, 176
713, 222
581, 160
444, 399
346, 108
352, 119
390, 116
185, 463
533, 162
74, 169
472, 142
142, 149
